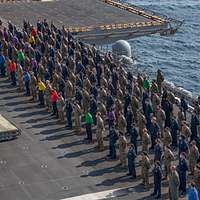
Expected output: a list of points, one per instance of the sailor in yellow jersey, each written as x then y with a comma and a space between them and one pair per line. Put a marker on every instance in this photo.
41, 89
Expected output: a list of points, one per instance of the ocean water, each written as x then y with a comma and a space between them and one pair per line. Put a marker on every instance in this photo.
178, 56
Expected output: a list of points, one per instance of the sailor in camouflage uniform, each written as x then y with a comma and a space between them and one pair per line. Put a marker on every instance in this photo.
33, 86
122, 149
193, 156
100, 131
77, 117
61, 107
47, 96
145, 166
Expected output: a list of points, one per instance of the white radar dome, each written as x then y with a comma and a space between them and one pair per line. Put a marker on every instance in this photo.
122, 47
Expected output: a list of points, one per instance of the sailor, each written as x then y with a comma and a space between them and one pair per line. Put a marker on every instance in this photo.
77, 117
135, 107
122, 123
41, 90
141, 123
102, 110
33, 86
94, 92
197, 177
109, 101
145, 140
100, 131
174, 183
88, 125
154, 131
182, 171
160, 79
87, 84
146, 83
145, 166
140, 81
127, 101
122, 149
136, 90
61, 86
131, 161
168, 157
60, 105
120, 93
167, 137
115, 79
78, 96
27, 80
54, 98
158, 151
47, 96
86, 101
93, 108
145, 98
148, 112
12, 69
157, 173
184, 106
168, 109
180, 117
103, 94
129, 120
185, 130
20, 78
195, 124
113, 137
21, 57
69, 111
192, 192
111, 118
41, 71
55, 81
160, 115
104, 85
174, 131
99, 70
155, 102
183, 146
118, 108
134, 137
154, 88
69, 88
193, 156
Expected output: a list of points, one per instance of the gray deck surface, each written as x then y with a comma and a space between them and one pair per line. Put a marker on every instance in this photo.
47, 162
68, 12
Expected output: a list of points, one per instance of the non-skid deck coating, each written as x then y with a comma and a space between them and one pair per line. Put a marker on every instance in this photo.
47, 162
68, 12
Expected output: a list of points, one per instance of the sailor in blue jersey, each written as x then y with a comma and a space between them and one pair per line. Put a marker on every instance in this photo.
27, 79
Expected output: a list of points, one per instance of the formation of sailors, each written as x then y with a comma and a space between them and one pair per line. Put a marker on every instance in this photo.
75, 82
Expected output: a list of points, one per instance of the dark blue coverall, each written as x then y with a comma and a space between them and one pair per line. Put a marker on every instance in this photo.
133, 137
69, 110
157, 174
113, 137
182, 170
157, 152
174, 131
129, 121
131, 162
154, 131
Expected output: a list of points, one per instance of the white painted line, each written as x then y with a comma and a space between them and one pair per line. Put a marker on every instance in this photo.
47, 0
107, 194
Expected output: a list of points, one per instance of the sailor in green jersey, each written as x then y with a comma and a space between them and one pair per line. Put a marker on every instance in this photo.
89, 122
